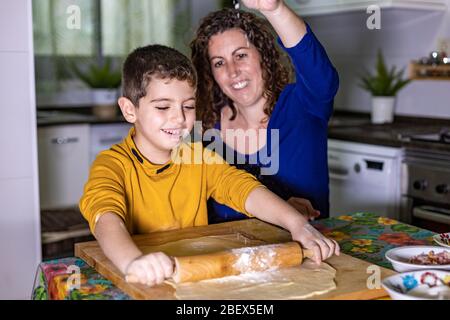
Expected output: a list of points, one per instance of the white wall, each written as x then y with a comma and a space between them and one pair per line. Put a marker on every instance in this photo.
201, 8
20, 246
405, 35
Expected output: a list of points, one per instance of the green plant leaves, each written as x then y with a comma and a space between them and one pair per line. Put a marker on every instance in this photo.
384, 82
99, 76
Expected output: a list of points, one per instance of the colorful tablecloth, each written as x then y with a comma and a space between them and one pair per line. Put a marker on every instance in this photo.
363, 235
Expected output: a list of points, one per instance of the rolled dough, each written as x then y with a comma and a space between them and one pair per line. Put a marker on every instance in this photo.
299, 282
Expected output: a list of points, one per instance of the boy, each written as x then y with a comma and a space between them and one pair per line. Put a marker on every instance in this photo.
136, 187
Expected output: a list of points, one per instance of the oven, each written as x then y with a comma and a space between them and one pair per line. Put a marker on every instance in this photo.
425, 186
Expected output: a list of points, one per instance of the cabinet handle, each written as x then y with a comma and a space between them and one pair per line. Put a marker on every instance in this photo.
427, 214
111, 140
64, 140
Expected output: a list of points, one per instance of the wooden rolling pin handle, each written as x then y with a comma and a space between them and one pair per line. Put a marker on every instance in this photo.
307, 253
131, 278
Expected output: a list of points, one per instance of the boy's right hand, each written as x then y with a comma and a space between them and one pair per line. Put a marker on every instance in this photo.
150, 269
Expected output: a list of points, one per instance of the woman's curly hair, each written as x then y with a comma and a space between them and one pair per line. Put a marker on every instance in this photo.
210, 98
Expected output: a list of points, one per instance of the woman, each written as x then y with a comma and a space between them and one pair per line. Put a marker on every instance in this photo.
243, 84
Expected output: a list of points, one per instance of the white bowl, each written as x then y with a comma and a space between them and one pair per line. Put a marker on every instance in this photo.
418, 285
400, 256
442, 239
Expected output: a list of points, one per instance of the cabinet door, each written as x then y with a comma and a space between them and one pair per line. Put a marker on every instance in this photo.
103, 136
63, 164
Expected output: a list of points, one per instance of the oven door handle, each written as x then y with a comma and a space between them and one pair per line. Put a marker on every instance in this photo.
429, 214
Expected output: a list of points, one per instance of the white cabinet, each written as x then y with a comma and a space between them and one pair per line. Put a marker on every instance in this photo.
317, 7
103, 136
66, 153
364, 178
63, 164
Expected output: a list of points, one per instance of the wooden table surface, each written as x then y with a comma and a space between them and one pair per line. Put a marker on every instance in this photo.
352, 276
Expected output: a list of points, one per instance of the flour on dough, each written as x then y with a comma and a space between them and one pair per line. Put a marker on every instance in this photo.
203, 245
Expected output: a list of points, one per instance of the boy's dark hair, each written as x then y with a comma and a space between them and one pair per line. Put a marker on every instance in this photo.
150, 61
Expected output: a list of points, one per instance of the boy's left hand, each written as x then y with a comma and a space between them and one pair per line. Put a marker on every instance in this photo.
322, 247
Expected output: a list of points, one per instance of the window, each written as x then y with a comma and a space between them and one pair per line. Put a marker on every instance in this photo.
79, 31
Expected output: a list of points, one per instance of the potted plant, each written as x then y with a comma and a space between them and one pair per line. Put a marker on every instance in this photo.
104, 82
383, 85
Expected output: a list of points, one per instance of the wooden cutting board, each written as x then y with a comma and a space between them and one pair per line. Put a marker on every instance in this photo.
351, 277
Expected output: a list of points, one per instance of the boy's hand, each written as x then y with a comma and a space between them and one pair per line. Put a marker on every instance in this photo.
305, 207
322, 247
150, 269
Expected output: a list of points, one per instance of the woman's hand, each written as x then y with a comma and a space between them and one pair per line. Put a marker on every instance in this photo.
305, 207
150, 269
288, 25
322, 247
262, 5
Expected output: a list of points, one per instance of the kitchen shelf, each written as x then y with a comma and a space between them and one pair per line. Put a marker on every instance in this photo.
321, 7
426, 72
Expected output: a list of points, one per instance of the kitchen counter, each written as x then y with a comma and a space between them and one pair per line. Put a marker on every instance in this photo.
63, 117
357, 127
362, 235
347, 126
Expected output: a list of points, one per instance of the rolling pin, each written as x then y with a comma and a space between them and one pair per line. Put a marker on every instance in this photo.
236, 261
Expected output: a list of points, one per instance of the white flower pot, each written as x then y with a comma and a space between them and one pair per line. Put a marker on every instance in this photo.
104, 96
104, 102
383, 109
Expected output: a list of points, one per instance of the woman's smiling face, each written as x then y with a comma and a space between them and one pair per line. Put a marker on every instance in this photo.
236, 67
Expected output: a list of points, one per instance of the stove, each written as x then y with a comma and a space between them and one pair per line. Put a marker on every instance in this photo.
426, 187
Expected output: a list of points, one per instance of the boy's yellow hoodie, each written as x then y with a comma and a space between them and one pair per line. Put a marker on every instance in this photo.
151, 197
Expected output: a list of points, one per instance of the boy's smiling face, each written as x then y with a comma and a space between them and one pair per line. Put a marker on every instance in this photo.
164, 116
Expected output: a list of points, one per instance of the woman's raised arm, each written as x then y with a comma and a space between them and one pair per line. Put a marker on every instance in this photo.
288, 25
